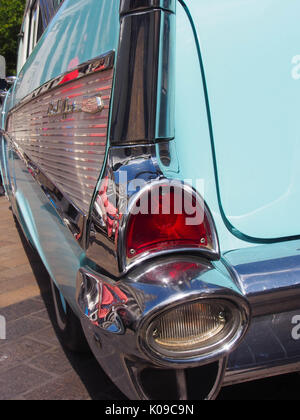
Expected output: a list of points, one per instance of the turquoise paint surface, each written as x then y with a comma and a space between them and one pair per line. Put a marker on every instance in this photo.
191, 151
239, 133
249, 50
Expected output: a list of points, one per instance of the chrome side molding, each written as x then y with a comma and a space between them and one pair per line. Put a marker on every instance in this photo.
97, 65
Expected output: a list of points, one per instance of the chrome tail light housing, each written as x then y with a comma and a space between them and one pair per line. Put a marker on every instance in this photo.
167, 216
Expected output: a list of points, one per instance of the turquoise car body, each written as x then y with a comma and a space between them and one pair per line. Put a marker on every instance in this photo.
236, 141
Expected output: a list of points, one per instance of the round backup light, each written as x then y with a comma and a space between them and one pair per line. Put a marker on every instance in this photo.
193, 329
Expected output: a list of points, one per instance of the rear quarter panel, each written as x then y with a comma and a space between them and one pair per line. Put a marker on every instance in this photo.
191, 152
81, 30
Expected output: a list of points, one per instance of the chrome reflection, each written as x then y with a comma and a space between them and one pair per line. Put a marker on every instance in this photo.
110, 306
101, 302
90, 105
144, 103
62, 128
131, 171
114, 315
70, 215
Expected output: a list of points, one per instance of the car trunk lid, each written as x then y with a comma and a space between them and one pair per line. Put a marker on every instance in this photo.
251, 54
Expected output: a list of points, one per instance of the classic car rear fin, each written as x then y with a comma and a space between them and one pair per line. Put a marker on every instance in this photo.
143, 107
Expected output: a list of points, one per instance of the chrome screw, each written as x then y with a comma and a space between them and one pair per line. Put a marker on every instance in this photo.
155, 333
222, 316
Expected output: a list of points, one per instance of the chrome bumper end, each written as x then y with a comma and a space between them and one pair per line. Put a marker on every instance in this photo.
263, 282
113, 314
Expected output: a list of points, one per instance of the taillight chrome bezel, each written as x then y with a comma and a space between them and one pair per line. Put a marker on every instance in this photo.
125, 263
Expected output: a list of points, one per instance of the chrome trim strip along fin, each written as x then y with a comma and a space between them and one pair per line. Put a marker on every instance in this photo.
98, 64
70, 215
144, 104
62, 128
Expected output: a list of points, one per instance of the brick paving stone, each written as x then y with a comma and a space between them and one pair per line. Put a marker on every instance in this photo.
55, 362
25, 308
18, 295
14, 283
20, 351
24, 326
41, 314
68, 387
19, 380
47, 336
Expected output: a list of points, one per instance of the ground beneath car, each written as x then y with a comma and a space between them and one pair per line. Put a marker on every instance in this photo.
33, 363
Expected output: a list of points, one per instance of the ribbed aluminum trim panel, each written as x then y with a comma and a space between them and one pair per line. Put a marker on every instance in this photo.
69, 148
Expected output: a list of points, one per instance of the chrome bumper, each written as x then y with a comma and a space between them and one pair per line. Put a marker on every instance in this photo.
269, 277
115, 314
268, 349
264, 280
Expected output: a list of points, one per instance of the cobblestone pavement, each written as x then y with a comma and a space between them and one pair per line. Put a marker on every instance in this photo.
33, 363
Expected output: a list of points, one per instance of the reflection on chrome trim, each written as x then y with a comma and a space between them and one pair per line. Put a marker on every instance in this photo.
68, 146
99, 64
70, 215
90, 105
113, 322
144, 100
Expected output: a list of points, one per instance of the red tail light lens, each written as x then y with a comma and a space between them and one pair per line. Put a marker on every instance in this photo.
165, 218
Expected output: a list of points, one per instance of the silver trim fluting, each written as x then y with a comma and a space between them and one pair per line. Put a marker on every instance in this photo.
97, 65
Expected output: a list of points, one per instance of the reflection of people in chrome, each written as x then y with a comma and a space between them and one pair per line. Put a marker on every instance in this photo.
110, 213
